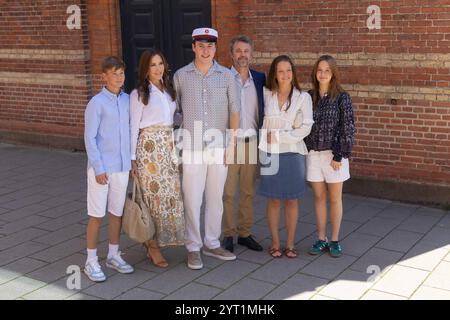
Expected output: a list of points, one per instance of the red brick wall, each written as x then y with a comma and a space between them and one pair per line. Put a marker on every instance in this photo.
398, 76
43, 67
225, 18
48, 72
104, 35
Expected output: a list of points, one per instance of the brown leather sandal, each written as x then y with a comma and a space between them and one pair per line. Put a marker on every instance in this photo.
161, 263
275, 252
290, 253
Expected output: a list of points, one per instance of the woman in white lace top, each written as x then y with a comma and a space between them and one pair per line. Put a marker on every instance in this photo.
288, 119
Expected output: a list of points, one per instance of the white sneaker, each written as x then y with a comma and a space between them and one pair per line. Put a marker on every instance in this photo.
93, 270
116, 262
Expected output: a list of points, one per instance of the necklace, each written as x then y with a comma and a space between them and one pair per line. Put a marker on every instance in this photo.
282, 98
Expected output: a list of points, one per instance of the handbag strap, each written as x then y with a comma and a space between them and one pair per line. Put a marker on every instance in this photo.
133, 194
137, 190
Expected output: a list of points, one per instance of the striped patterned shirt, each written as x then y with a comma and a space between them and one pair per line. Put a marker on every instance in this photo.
206, 102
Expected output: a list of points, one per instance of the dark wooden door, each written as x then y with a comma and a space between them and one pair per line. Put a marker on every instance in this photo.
163, 24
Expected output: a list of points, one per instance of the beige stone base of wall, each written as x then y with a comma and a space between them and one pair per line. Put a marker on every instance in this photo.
50, 141
433, 195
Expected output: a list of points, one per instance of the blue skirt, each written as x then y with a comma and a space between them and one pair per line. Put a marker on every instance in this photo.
282, 175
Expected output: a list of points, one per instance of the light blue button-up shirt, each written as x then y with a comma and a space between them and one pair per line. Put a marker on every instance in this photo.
107, 132
249, 103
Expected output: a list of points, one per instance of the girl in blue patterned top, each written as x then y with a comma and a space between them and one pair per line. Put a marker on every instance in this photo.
330, 145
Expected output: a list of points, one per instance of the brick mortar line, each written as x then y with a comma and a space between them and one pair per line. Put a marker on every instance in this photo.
395, 92
44, 54
59, 79
417, 60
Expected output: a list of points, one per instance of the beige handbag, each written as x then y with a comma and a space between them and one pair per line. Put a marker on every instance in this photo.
137, 222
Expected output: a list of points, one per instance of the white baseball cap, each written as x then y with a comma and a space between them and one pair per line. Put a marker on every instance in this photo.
205, 35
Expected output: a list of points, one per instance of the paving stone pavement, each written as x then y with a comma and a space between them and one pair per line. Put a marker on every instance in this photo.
392, 250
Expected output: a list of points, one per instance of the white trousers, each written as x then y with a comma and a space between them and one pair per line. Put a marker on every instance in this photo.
207, 178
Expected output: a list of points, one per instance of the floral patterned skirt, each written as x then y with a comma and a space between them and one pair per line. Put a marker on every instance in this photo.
160, 182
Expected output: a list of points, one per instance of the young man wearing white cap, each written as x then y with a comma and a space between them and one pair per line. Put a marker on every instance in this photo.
208, 99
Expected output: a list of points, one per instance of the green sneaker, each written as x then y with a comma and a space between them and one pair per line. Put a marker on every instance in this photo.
319, 247
335, 249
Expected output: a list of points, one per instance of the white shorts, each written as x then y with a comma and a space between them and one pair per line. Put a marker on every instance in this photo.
112, 194
318, 168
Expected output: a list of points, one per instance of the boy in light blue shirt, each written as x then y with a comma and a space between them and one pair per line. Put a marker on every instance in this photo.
107, 141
